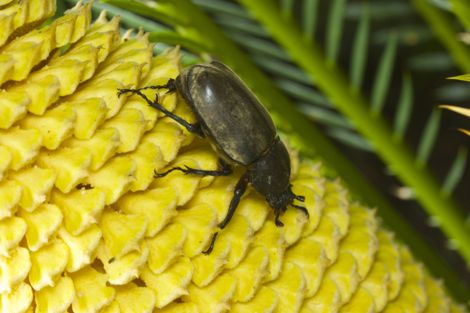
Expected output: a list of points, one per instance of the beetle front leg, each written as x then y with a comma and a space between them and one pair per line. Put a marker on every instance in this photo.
237, 194
192, 128
278, 213
301, 208
277, 221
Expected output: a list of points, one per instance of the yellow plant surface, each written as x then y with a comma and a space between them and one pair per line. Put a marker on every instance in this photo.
85, 227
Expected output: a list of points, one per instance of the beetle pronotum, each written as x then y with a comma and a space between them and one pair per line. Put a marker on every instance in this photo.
239, 128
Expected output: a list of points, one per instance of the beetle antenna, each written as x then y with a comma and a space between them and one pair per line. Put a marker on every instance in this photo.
296, 197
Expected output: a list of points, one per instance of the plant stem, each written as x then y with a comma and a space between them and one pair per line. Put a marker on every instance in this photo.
332, 82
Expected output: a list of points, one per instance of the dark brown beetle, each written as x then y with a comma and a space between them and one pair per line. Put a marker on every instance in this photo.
239, 128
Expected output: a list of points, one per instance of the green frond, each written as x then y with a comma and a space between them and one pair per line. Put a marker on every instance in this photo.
383, 76
428, 138
309, 18
456, 172
405, 104
360, 49
334, 30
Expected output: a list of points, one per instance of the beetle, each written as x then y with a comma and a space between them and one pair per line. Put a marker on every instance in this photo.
240, 130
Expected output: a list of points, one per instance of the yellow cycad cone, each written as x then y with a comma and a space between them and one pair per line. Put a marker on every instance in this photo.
85, 226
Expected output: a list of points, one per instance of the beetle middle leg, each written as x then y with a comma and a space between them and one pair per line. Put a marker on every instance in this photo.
224, 171
237, 194
192, 128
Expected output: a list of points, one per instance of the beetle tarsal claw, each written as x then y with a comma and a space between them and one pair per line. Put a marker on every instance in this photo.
211, 245
159, 175
122, 91
277, 221
187, 170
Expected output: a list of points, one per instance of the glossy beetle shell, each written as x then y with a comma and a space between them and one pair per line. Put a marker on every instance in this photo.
228, 112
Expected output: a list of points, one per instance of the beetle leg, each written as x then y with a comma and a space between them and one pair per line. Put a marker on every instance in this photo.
277, 221
211, 245
237, 194
192, 128
225, 171
170, 85
301, 208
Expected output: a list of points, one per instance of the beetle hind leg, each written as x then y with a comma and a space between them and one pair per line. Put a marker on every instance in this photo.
192, 128
170, 85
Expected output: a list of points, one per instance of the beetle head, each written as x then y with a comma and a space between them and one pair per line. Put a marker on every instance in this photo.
279, 203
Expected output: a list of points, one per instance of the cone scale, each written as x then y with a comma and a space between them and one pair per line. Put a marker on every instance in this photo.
85, 227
